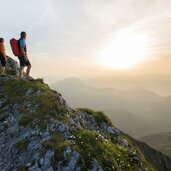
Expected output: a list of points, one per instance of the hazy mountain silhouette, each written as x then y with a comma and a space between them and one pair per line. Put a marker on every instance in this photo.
142, 105
160, 141
39, 131
159, 83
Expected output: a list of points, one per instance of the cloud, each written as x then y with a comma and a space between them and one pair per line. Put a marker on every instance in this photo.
78, 29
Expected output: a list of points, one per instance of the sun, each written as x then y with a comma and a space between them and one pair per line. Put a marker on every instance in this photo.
124, 50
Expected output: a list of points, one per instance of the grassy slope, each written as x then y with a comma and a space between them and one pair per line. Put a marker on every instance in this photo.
161, 142
157, 159
39, 105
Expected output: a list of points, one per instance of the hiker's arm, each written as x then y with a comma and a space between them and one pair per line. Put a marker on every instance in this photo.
23, 52
22, 48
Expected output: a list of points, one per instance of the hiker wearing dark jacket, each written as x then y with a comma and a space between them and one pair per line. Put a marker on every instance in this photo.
23, 58
2, 57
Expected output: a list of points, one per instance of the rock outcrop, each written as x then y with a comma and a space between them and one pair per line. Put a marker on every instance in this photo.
40, 132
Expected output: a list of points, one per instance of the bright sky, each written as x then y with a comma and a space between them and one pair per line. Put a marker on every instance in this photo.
88, 37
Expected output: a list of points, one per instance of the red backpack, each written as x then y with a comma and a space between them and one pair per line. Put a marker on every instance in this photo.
15, 47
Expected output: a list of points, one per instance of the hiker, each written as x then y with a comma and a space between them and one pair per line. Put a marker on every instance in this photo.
2, 57
23, 58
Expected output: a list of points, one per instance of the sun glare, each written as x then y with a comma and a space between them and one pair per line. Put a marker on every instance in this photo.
124, 50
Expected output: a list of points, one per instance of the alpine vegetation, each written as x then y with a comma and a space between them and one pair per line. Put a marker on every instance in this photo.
39, 131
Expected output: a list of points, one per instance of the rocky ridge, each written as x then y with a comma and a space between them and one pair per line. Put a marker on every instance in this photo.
40, 132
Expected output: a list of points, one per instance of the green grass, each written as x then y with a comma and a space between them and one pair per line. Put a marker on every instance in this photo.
22, 168
109, 156
10, 71
99, 116
38, 108
22, 144
43, 102
58, 144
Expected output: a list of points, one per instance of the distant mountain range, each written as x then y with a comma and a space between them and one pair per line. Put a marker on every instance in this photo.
142, 111
39, 131
161, 142
159, 83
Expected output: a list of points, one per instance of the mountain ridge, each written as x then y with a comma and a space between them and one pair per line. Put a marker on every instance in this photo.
40, 131
160, 141
151, 107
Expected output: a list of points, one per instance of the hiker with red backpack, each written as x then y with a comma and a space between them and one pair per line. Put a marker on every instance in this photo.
20, 50
2, 57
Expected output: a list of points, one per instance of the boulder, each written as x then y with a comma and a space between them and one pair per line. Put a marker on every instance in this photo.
113, 131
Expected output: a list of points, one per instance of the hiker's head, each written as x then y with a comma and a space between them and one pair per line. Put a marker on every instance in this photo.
23, 35
1, 40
